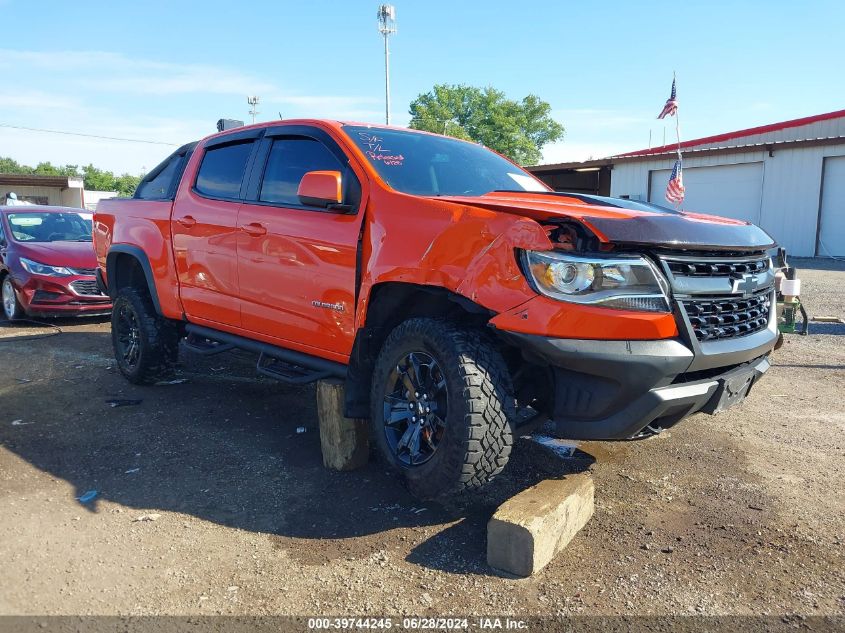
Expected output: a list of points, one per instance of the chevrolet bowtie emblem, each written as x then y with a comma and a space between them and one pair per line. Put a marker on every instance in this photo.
745, 285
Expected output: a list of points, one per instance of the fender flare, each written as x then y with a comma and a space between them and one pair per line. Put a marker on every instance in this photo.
141, 257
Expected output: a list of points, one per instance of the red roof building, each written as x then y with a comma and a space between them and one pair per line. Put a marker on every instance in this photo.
788, 177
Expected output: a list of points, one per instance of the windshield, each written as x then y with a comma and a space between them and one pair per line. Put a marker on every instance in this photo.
50, 227
428, 165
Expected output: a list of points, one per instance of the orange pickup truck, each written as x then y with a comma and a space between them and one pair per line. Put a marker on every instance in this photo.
451, 290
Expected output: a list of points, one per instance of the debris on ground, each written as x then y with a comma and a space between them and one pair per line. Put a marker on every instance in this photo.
88, 496
123, 402
561, 448
147, 517
132, 470
175, 381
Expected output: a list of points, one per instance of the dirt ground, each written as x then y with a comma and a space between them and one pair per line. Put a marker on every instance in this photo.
741, 513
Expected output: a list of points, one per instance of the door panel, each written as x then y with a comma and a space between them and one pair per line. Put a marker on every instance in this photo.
296, 264
297, 281
206, 259
205, 234
732, 191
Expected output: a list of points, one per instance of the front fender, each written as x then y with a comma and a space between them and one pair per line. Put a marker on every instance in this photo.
466, 250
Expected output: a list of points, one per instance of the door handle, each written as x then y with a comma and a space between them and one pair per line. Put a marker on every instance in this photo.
254, 229
187, 221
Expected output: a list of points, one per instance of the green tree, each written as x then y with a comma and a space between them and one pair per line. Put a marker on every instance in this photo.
97, 179
94, 179
48, 169
11, 166
126, 184
517, 129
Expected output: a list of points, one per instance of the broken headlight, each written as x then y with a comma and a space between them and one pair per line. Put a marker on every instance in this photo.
624, 282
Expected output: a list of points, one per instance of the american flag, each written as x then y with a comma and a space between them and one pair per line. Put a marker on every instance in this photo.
675, 188
671, 107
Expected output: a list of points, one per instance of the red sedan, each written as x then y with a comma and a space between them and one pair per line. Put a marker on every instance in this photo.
47, 263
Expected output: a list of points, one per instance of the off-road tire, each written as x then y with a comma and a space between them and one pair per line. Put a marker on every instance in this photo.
158, 338
479, 419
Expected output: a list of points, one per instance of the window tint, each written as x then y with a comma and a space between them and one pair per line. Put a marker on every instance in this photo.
290, 159
157, 186
222, 170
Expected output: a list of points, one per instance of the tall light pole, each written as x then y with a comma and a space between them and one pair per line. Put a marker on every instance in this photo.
253, 102
386, 26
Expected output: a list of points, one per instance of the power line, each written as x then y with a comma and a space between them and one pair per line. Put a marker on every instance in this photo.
107, 138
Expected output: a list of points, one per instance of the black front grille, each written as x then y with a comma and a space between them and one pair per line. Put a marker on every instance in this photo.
44, 295
714, 318
84, 271
716, 268
85, 287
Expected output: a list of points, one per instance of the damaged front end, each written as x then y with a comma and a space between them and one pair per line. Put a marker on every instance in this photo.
614, 367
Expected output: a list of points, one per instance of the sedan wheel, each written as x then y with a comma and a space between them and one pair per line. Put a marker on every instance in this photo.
11, 306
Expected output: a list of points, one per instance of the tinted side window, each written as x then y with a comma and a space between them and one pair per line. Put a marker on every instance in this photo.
222, 170
157, 186
290, 159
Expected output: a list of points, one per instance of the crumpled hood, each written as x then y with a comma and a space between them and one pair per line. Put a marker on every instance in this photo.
657, 228
71, 254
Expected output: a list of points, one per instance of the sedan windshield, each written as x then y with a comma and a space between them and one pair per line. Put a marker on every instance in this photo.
429, 165
50, 227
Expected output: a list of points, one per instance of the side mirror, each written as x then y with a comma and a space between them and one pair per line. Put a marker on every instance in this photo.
320, 189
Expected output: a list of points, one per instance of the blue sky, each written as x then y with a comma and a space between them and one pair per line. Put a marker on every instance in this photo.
166, 71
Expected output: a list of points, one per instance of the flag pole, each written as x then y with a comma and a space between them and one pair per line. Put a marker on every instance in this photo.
677, 120
677, 127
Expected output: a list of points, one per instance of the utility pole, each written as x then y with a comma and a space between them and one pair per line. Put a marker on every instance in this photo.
253, 102
387, 26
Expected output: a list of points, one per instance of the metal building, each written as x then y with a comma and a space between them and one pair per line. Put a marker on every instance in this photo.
788, 177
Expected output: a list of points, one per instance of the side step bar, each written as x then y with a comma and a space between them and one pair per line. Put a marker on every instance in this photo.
282, 364
205, 347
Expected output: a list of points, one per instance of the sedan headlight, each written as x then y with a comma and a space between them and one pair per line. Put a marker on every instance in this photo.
625, 282
37, 268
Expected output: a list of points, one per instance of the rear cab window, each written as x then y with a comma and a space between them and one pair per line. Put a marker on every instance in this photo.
161, 183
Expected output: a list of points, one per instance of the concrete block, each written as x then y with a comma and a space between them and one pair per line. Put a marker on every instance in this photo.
528, 530
343, 441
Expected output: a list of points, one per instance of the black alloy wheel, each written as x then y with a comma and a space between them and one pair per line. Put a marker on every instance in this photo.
127, 337
442, 406
415, 408
146, 345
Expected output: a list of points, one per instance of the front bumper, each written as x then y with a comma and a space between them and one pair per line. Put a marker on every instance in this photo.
45, 296
610, 390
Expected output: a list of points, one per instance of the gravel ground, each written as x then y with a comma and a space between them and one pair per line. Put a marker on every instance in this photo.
209, 501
